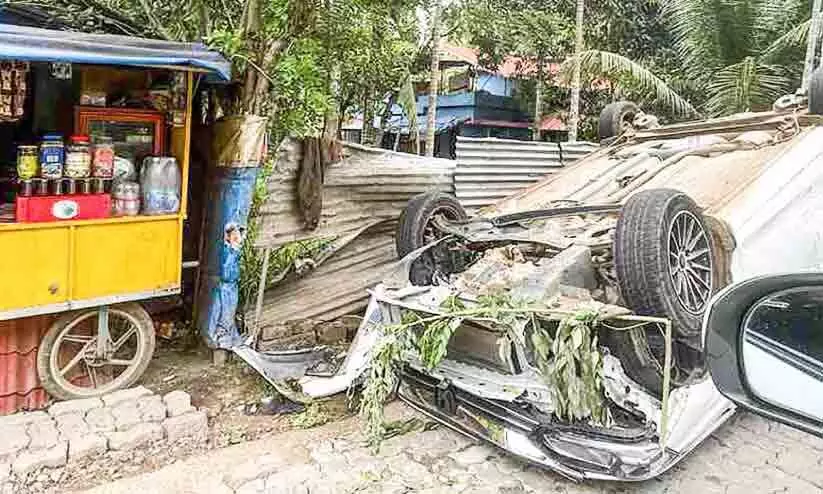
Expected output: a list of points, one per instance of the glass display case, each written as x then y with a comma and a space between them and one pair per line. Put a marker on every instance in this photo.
135, 133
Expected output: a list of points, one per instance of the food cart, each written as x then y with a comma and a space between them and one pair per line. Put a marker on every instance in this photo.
88, 242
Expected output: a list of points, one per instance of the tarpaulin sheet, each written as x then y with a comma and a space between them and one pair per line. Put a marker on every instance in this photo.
44, 45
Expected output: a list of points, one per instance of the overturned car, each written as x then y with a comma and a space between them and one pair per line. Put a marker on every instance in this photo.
639, 235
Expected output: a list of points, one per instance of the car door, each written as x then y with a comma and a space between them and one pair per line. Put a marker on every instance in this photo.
764, 347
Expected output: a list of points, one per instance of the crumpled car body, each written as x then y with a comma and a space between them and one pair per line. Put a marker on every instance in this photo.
758, 179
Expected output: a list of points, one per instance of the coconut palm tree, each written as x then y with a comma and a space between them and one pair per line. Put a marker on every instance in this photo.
740, 55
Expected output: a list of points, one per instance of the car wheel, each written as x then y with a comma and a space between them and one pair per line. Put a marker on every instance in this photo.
415, 228
816, 93
665, 262
616, 118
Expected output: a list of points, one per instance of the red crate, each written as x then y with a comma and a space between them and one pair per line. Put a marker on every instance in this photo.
38, 209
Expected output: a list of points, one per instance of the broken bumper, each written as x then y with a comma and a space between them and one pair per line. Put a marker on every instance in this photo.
578, 455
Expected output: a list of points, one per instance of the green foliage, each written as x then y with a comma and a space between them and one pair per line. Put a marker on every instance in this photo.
567, 358
314, 415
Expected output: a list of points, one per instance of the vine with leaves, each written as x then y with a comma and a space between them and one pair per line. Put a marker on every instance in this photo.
565, 349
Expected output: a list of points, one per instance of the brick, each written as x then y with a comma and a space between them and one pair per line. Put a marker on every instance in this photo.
24, 419
30, 461
137, 436
43, 435
193, 425
123, 395
75, 406
100, 420
177, 403
151, 408
15, 438
257, 468
87, 446
71, 425
126, 415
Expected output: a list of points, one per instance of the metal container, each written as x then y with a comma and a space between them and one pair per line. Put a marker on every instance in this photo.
56, 187
41, 186
126, 199
69, 186
84, 186
25, 188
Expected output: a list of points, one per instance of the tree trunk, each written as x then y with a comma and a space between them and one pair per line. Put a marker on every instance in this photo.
811, 46
574, 112
538, 100
367, 134
434, 85
380, 131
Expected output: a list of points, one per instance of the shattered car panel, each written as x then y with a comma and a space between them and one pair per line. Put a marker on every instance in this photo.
756, 179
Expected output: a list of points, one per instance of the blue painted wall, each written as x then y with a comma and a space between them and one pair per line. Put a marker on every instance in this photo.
494, 84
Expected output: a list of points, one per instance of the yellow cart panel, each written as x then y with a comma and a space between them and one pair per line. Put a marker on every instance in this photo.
126, 258
34, 267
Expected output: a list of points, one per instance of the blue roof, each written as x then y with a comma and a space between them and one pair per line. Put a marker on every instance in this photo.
45, 45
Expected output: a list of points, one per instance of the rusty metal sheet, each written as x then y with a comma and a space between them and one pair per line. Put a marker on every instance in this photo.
490, 169
20, 387
335, 288
367, 186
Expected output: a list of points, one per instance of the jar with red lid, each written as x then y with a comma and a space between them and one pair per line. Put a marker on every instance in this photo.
78, 157
102, 163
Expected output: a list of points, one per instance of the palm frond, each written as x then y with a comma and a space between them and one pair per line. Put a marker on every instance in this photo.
746, 86
794, 38
596, 64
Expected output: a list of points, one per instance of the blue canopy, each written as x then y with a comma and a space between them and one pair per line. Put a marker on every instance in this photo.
45, 45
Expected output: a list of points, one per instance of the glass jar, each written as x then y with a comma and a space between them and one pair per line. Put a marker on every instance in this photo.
78, 158
52, 156
102, 164
26, 162
126, 199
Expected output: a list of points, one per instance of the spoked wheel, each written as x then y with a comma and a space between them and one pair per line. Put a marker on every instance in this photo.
95, 351
690, 262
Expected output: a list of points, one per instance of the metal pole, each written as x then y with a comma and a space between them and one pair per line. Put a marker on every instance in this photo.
574, 117
811, 45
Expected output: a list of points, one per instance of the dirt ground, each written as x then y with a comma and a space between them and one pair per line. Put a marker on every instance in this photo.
231, 395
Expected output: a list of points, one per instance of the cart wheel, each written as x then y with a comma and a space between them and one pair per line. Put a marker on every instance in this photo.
75, 362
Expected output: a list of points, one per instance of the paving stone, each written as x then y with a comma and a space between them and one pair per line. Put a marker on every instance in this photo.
126, 415
257, 468
43, 435
5, 472
471, 455
177, 403
100, 420
30, 461
256, 486
15, 438
71, 425
75, 406
151, 408
291, 477
117, 397
24, 418
193, 425
87, 446
137, 436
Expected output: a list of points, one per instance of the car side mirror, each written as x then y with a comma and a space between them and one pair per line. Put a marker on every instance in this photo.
764, 347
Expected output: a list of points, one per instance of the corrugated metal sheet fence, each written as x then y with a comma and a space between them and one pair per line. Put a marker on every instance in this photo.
491, 169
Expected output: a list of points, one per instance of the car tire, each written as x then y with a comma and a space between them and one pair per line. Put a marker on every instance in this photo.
615, 118
417, 215
816, 92
664, 258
